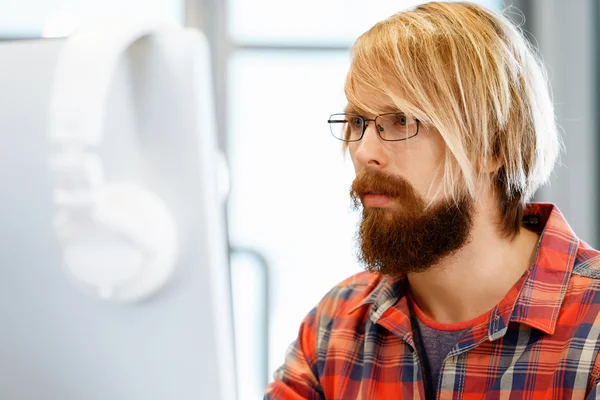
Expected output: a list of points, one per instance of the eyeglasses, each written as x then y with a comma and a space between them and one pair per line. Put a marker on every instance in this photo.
391, 127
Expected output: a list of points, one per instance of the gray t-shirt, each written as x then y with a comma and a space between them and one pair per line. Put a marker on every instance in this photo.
433, 346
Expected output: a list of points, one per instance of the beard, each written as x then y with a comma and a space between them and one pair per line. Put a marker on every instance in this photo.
408, 236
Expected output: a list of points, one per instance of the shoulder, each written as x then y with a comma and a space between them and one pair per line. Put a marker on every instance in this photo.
341, 314
582, 295
582, 302
587, 262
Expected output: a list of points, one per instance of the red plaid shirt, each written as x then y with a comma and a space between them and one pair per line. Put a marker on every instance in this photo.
540, 342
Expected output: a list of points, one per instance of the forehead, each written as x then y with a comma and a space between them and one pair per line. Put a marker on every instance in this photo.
370, 103
371, 98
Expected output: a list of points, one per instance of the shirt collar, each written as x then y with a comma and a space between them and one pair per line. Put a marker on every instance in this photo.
544, 289
387, 292
536, 299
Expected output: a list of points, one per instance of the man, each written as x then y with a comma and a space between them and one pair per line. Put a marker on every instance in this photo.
470, 292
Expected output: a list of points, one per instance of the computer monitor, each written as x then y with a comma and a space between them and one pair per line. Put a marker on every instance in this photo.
56, 341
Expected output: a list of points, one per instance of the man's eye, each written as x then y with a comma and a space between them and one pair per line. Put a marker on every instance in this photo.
356, 123
401, 120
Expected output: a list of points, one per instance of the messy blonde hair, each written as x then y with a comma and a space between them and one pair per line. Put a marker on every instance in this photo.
471, 74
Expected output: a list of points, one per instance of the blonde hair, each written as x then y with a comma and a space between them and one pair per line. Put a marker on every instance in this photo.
471, 74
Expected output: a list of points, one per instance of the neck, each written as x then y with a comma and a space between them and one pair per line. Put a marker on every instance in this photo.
478, 276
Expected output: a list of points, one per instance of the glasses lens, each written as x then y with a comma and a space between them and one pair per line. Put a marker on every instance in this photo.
347, 127
396, 126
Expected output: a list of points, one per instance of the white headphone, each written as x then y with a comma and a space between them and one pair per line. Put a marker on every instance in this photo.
119, 240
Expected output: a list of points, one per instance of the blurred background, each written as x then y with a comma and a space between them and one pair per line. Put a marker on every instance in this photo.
277, 72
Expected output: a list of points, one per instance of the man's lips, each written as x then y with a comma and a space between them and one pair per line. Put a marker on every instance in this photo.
375, 199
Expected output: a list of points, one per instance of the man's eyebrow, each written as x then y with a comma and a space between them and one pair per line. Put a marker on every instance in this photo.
351, 109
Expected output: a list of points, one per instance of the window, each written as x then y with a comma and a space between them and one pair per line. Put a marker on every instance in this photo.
317, 22
34, 18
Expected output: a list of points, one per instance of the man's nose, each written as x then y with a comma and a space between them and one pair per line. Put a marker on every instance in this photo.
371, 148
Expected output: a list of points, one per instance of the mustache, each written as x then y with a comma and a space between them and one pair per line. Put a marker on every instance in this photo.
372, 180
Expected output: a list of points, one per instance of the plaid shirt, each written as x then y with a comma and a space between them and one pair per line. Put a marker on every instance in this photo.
540, 342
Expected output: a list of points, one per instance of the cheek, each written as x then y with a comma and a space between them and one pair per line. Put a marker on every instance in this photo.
422, 164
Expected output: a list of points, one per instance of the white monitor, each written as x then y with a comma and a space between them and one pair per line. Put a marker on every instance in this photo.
58, 341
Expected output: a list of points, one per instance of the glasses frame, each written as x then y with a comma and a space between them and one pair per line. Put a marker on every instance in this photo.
365, 126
